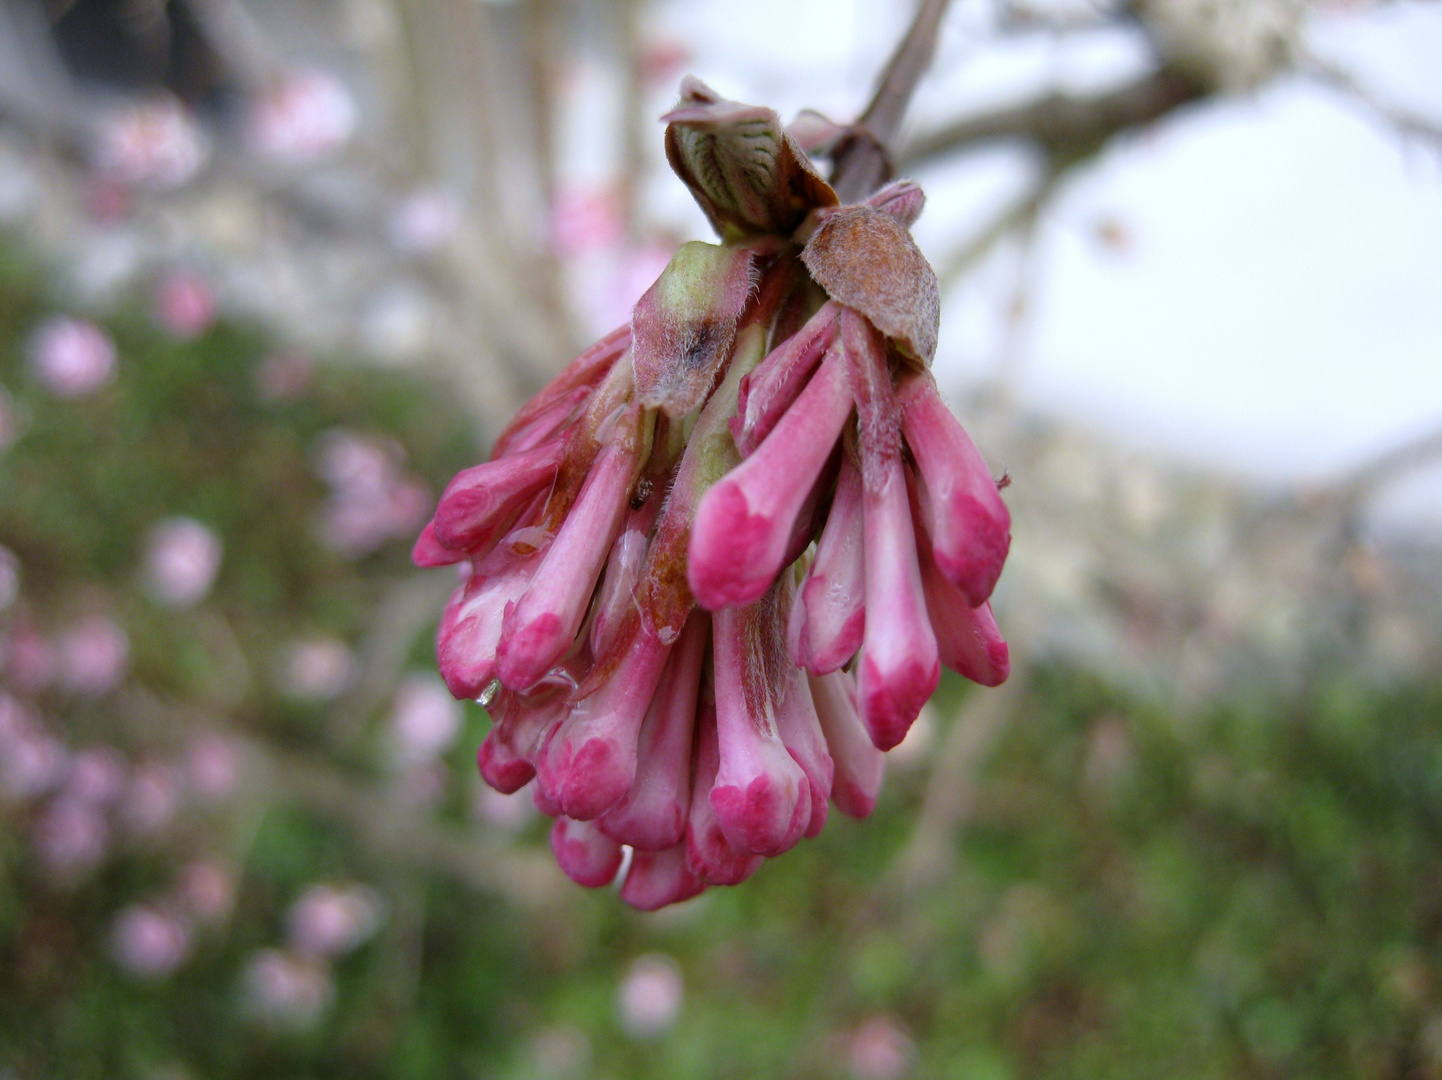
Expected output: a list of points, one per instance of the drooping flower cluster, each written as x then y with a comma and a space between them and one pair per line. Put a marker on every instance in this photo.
712, 570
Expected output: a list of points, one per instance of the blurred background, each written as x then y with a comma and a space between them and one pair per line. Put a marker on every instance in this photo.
272, 270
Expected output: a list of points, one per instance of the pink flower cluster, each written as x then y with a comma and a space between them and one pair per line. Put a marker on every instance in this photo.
72, 357
156, 143
372, 499
302, 116
714, 568
185, 305
293, 986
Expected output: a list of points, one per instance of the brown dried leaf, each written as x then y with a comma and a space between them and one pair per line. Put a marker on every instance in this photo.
866, 260
683, 327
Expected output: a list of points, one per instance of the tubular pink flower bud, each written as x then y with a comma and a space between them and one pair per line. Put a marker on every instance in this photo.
832, 601
590, 762
617, 595
507, 755
761, 795
901, 199
899, 666
543, 623
587, 855
769, 389
744, 521
969, 525
652, 815
480, 503
471, 626
709, 854
550, 423
562, 396
859, 765
967, 639
801, 734
658, 878
428, 551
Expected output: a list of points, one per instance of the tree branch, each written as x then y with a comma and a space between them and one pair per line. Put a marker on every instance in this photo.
1066, 128
863, 160
1408, 123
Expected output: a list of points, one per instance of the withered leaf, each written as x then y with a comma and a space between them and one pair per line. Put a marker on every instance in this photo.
867, 260
684, 326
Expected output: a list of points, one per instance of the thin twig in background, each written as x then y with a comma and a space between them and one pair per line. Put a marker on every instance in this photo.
1025, 209
405, 612
1066, 127
1428, 129
951, 785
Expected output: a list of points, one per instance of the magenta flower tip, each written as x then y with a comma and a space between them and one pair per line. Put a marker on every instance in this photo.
587, 856
891, 700
428, 551
525, 653
733, 550
586, 778
502, 770
767, 816
659, 878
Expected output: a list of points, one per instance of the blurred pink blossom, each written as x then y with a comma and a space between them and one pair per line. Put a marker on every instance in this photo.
371, 500
181, 561
318, 669
107, 200
424, 221
31, 761
650, 996
212, 767
156, 142
663, 59
96, 777
288, 990
425, 719
15, 721
92, 655
302, 116
71, 836
184, 304
607, 283
354, 465
283, 376
149, 941
29, 659
206, 890
584, 219
71, 357
9, 562
331, 920
151, 799
880, 1050
507, 812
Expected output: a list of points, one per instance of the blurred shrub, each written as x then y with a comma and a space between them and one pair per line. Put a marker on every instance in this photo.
239, 836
